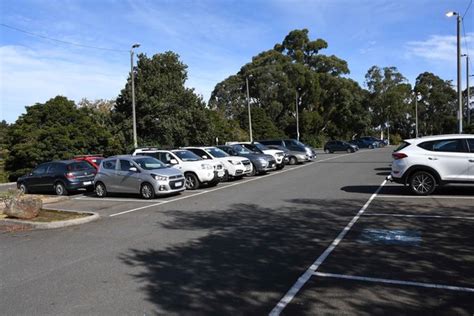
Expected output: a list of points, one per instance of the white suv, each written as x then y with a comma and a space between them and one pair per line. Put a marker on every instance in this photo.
196, 170
427, 162
235, 167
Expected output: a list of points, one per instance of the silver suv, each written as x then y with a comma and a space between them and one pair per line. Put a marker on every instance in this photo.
137, 174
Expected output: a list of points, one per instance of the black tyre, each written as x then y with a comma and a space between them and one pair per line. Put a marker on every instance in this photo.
23, 188
226, 177
326, 151
60, 189
422, 183
147, 191
350, 150
192, 181
293, 161
253, 172
100, 190
371, 147
279, 167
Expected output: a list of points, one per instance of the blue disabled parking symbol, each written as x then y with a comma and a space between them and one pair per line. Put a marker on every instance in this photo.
391, 237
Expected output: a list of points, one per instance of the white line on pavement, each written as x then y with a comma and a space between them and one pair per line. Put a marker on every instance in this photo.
420, 216
227, 186
396, 282
450, 197
310, 271
96, 199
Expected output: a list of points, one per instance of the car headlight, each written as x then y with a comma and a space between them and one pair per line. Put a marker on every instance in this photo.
159, 178
233, 162
206, 166
263, 161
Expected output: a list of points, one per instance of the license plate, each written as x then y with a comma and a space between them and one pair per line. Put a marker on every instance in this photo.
178, 184
87, 183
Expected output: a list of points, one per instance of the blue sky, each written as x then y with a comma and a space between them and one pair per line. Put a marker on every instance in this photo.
214, 38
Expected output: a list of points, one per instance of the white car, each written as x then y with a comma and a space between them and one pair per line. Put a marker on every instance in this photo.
196, 170
235, 167
279, 155
427, 162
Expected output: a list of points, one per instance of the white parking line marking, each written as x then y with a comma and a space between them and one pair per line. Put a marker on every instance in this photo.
312, 269
387, 196
419, 216
396, 282
227, 186
97, 199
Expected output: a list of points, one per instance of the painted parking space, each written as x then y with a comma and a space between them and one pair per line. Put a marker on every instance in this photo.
405, 254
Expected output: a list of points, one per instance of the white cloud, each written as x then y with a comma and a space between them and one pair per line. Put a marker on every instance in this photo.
29, 76
438, 48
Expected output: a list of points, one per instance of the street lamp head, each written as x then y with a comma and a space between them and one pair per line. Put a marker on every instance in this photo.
451, 13
136, 45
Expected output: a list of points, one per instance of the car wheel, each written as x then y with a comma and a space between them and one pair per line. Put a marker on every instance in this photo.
326, 151
279, 167
23, 189
254, 171
422, 183
100, 190
371, 147
350, 150
226, 176
60, 189
192, 182
147, 192
293, 161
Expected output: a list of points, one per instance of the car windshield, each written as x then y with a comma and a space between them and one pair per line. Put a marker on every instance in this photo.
149, 163
261, 147
242, 150
186, 155
253, 148
217, 153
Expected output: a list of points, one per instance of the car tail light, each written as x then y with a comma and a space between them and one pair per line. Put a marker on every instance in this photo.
70, 175
398, 156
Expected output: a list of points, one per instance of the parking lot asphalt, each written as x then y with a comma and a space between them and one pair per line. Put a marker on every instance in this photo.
312, 239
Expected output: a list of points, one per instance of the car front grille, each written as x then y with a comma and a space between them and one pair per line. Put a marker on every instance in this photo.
176, 177
174, 186
246, 162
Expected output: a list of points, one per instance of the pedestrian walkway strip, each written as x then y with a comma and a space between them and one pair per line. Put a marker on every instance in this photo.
395, 282
312, 269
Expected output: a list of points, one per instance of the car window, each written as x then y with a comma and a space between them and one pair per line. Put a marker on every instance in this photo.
239, 149
201, 153
154, 155
470, 142
149, 163
79, 166
253, 147
404, 145
125, 165
40, 170
109, 164
444, 145
55, 168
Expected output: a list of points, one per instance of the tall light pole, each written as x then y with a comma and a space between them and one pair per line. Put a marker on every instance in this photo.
417, 94
459, 19
468, 92
132, 74
297, 118
248, 106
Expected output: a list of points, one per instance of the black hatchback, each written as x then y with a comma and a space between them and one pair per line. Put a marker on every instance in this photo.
60, 177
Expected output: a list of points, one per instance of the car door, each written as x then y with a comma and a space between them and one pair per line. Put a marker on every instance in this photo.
450, 158
35, 181
48, 179
470, 143
128, 181
108, 174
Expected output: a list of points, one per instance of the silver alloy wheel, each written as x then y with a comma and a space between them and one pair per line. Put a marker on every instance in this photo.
293, 161
23, 189
147, 191
349, 150
60, 189
190, 182
422, 183
100, 190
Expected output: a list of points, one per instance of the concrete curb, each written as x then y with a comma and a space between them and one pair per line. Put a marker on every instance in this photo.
58, 224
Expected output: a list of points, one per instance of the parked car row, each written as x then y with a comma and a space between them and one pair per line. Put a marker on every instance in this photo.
354, 145
152, 172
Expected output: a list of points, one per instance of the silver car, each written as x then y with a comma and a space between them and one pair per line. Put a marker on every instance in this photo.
137, 174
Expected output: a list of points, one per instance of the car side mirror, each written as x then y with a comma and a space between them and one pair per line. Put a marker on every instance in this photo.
133, 169
173, 162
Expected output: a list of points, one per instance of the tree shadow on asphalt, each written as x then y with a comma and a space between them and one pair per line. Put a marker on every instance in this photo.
249, 256
402, 190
